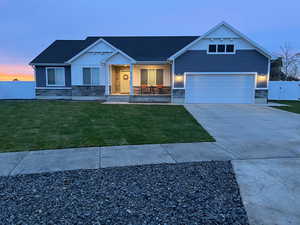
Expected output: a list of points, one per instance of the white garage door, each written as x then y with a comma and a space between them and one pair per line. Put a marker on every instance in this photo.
236, 88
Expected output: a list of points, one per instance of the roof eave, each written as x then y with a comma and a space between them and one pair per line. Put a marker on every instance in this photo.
49, 64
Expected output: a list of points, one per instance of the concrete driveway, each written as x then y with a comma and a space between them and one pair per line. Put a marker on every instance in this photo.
250, 131
266, 145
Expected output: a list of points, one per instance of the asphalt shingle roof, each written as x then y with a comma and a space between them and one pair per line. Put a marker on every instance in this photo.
143, 48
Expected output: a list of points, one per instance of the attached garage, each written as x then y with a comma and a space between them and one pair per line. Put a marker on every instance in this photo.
220, 88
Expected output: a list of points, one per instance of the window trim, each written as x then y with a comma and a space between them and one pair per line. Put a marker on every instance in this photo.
55, 85
221, 53
90, 67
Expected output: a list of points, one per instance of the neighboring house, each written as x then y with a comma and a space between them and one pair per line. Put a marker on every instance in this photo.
222, 66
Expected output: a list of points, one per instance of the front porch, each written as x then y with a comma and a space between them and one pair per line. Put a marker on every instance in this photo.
141, 83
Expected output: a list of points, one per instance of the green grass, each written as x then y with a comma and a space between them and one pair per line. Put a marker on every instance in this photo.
32, 125
293, 106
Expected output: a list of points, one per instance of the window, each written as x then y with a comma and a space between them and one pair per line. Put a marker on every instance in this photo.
229, 48
152, 77
212, 48
221, 49
91, 76
178, 81
55, 76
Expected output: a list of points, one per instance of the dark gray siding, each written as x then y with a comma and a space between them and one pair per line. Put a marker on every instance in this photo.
242, 61
40, 76
40, 73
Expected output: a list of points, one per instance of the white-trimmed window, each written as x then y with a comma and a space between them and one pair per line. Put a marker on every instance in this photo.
152, 77
91, 76
221, 49
55, 76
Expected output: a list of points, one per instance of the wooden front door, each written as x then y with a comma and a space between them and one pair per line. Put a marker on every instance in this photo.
124, 82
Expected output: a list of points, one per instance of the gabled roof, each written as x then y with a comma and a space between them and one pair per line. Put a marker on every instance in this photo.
223, 23
141, 48
60, 51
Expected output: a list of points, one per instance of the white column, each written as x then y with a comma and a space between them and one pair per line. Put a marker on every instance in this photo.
106, 66
131, 79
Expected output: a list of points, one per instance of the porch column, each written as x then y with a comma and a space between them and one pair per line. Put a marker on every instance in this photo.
107, 75
131, 80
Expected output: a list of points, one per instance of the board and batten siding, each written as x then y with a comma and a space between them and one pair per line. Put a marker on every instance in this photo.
241, 61
99, 56
40, 75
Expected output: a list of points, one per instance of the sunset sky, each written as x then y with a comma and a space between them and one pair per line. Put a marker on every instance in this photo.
28, 27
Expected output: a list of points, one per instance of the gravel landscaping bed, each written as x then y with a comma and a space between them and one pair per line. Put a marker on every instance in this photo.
187, 193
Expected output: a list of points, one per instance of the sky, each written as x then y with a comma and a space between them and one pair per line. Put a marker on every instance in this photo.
29, 26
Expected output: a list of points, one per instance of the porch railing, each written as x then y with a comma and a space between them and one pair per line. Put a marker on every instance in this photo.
152, 90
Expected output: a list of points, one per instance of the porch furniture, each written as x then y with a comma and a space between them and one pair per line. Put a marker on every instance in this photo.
145, 89
152, 89
159, 89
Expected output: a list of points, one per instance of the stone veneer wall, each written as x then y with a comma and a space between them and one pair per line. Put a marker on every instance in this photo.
59, 92
178, 95
261, 96
75, 91
261, 93
88, 90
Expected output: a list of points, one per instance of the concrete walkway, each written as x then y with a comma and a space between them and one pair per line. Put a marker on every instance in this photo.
101, 157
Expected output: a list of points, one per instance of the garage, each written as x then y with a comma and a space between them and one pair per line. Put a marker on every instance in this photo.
220, 88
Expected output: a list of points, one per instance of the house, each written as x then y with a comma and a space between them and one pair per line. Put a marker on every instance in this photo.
221, 66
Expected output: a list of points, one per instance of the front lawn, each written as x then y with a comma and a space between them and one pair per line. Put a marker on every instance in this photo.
32, 125
293, 106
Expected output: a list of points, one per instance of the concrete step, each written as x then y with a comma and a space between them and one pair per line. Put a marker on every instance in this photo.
118, 98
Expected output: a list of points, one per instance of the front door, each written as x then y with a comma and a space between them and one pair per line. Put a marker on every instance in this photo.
124, 82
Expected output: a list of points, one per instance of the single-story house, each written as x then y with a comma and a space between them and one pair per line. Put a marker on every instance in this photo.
221, 66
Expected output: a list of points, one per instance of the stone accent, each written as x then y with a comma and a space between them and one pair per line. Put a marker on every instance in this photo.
178, 96
178, 93
261, 94
88, 90
59, 92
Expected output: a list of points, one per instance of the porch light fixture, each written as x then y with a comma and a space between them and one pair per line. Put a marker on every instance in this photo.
261, 81
261, 77
178, 78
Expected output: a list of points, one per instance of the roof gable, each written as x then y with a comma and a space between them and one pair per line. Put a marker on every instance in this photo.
222, 30
100, 45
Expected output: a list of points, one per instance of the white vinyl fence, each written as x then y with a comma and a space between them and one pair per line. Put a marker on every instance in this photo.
17, 89
284, 90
